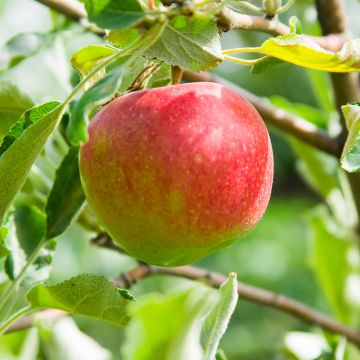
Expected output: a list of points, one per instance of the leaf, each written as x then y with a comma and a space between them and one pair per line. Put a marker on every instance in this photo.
162, 77
66, 196
13, 103
22, 148
167, 326
30, 228
81, 111
123, 37
113, 14
299, 50
116, 81
350, 158
88, 57
65, 341
330, 251
90, 295
217, 321
4, 250
264, 64
220, 355
191, 43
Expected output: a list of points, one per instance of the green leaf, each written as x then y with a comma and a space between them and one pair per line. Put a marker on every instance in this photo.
167, 326
123, 37
66, 196
13, 103
220, 355
88, 57
113, 14
330, 250
191, 43
81, 111
162, 77
4, 250
30, 227
90, 295
350, 158
264, 64
116, 81
65, 341
20, 149
301, 51
217, 321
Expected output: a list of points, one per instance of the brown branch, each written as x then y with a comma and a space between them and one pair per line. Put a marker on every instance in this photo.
278, 118
247, 292
227, 20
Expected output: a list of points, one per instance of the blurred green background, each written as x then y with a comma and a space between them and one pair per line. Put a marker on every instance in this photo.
278, 255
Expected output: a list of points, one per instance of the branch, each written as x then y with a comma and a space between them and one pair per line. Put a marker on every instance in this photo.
346, 86
227, 20
278, 118
247, 292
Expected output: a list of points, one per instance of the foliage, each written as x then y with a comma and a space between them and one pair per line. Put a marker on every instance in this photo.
313, 258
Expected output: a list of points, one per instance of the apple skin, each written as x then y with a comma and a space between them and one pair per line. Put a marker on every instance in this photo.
176, 173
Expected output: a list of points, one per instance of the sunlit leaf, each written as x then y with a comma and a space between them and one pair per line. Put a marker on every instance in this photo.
217, 321
66, 196
191, 43
299, 50
87, 58
350, 158
91, 295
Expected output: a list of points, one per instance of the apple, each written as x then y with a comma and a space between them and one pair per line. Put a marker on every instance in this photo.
176, 173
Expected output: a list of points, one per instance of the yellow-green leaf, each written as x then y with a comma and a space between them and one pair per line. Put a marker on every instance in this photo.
299, 50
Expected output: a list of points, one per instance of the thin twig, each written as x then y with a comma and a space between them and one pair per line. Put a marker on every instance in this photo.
227, 20
246, 292
278, 118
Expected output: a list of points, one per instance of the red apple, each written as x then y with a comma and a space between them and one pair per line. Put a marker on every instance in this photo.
177, 172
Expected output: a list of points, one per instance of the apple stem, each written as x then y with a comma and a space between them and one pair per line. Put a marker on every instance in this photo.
176, 74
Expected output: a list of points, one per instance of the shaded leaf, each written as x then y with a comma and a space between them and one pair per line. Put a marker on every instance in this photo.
191, 43
264, 64
301, 51
350, 158
66, 195
30, 227
91, 295
81, 111
20, 149
113, 14
13, 103
218, 319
